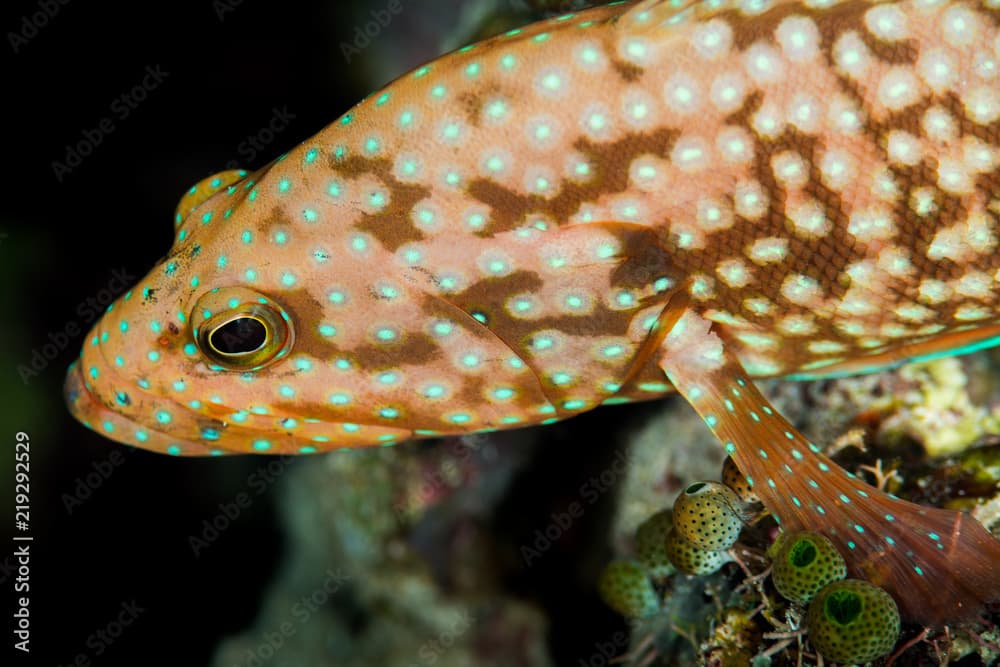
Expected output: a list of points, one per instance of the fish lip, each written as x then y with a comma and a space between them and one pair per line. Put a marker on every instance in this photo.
99, 413
87, 408
78, 397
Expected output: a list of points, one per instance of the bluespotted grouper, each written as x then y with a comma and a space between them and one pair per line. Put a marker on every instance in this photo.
599, 208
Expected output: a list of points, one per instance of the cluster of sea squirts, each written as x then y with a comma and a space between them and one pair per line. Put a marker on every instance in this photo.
846, 621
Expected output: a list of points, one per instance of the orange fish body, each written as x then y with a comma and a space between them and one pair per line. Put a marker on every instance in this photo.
600, 208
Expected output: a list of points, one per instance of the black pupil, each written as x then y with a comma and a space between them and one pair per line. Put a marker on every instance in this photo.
239, 336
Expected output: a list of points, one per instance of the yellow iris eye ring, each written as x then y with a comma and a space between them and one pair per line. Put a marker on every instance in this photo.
239, 335
237, 329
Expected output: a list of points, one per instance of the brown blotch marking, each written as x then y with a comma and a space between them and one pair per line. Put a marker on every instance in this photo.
474, 393
916, 233
508, 207
276, 217
471, 395
831, 22
611, 175
392, 226
742, 117
472, 105
643, 257
988, 134
325, 413
824, 259
306, 314
629, 72
490, 295
902, 52
908, 118
992, 13
413, 348
988, 185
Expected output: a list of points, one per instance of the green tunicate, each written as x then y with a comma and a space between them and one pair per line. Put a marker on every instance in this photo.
804, 563
624, 586
651, 544
692, 559
707, 514
853, 622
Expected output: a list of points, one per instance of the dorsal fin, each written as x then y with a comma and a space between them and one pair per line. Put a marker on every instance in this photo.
650, 14
198, 193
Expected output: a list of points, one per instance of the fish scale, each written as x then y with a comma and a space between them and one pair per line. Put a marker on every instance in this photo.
601, 208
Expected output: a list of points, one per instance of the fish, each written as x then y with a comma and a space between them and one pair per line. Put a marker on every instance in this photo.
607, 206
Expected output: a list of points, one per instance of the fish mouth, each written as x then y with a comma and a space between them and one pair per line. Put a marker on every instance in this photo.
118, 409
90, 410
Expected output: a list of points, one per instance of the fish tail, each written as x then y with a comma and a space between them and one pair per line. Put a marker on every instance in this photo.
939, 565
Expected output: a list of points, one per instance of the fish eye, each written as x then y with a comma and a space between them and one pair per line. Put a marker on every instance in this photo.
244, 334
237, 329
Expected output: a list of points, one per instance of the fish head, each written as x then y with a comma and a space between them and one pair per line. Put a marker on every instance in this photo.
224, 347
264, 331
